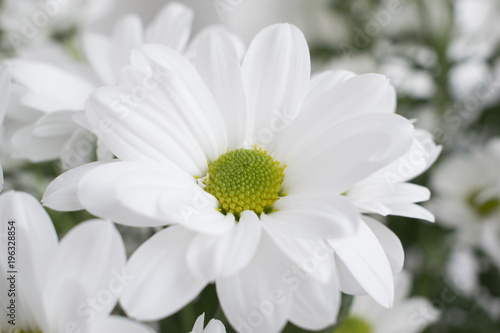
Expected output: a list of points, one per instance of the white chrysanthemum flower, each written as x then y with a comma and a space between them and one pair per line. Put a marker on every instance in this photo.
248, 163
467, 197
213, 326
49, 95
408, 315
48, 286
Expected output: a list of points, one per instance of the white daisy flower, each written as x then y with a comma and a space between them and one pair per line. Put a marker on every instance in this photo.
213, 326
467, 197
248, 165
408, 315
48, 286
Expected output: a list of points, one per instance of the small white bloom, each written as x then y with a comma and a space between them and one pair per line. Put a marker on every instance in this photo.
408, 315
467, 197
272, 227
56, 287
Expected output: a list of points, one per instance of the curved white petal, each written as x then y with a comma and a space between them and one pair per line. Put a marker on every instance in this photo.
345, 154
63, 91
391, 199
57, 123
80, 149
171, 26
98, 50
127, 34
313, 258
219, 66
163, 283
390, 243
118, 324
323, 82
92, 254
212, 257
276, 71
313, 216
315, 304
215, 326
363, 266
148, 194
258, 298
420, 156
62, 192
357, 96
162, 111
36, 245
36, 149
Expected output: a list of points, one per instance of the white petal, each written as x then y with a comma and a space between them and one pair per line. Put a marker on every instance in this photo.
212, 257
36, 149
127, 34
93, 254
258, 299
79, 149
363, 263
360, 95
199, 324
276, 72
323, 82
98, 51
50, 88
162, 111
420, 156
314, 258
390, 243
62, 194
345, 154
215, 326
57, 123
118, 324
316, 305
313, 216
36, 244
171, 27
5, 82
148, 194
163, 283
219, 66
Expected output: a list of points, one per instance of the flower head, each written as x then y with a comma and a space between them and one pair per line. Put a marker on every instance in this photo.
272, 227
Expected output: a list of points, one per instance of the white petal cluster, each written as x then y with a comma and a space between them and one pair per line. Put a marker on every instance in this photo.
59, 286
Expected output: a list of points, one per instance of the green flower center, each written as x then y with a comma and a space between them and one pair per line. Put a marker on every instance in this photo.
354, 325
482, 207
245, 179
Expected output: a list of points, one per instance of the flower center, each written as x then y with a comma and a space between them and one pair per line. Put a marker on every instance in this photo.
354, 325
245, 179
483, 205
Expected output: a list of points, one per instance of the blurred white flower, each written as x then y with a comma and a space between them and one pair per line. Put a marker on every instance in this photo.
71, 285
467, 197
408, 315
331, 132
473, 37
213, 326
29, 22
